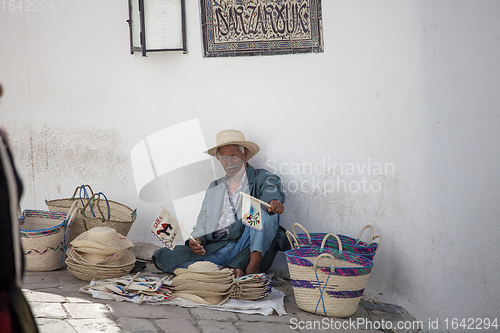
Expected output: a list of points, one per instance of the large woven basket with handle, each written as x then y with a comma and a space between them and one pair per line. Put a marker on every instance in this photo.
94, 210
326, 281
44, 237
349, 244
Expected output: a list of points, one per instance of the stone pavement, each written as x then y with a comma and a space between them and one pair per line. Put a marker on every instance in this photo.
59, 307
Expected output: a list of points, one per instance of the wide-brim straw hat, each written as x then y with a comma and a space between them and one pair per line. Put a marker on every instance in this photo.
204, 267
202, 288
208, 300
197, 277
88, 274
76, 259
220, 274
87, 271
101, 240
99, 258
202, 282
233, 137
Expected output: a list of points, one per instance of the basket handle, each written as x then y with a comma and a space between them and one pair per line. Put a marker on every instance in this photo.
292, 240
321, 290
107, 204
301, 227
379, 242
85, 195
71, 214
326, 237
67, 224
361, 233
98, 195
332, 267
21, 215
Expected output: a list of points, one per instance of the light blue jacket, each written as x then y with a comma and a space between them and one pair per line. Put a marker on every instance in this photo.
261, 184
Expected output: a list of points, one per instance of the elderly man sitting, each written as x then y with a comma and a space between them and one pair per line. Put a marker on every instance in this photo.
220, 236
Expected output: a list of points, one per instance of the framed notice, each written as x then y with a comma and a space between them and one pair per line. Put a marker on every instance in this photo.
157, 25
261, 27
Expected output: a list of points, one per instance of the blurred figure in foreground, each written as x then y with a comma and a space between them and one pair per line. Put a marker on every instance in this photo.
15, 313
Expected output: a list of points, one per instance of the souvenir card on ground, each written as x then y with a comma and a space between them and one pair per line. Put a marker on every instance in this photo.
120, 290
157, 298
253, 278
146, 286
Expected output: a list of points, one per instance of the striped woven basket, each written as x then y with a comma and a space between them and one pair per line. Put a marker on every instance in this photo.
94, 212
349, 244
326, 281
44, 238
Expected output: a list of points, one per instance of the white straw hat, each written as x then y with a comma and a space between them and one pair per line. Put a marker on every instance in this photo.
76, 258
197, 277
203, 282
204, 289
84, 270
88, 274
233, 137
101, 240
208, 300
204, 267
99, 258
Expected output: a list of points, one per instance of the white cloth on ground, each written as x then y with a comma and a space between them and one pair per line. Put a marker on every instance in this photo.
266, 306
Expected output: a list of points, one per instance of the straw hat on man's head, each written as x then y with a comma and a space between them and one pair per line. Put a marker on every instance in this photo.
233, 137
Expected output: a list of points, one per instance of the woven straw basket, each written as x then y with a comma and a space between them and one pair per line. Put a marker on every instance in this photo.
94, 212
44, 237
326, 281
349, 244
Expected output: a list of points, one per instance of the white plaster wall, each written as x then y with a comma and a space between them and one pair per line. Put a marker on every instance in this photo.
409, 84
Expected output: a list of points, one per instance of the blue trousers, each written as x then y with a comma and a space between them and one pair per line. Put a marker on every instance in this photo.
258, 240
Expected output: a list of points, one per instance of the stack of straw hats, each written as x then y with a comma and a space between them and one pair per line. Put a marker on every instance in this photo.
100, 253
203, 282
251, 287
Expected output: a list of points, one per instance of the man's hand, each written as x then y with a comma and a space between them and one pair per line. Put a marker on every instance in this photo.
196, 246
276, 207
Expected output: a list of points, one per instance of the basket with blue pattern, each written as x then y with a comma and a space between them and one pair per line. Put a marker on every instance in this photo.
44, 238
349, 244
327, 281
